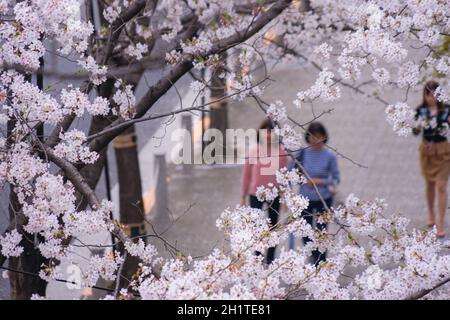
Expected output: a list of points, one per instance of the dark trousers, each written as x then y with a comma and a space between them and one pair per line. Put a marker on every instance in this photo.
310, 214
274, 208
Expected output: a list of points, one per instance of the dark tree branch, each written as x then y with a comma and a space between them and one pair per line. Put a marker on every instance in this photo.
181, 68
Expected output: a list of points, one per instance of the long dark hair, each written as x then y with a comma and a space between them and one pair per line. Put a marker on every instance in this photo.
267, 124
430, 88
316, 128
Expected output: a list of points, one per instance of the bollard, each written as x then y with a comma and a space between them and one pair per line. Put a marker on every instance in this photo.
160, 214
186, 123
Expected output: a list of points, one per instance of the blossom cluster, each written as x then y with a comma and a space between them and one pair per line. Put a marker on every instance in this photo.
402, 38
341, 39
97, 73
401, 117
137, 50
112, 12
291, 138
139, 249
21, 38
71, 148
102, 266
410, 255
324, 88
28, 102
10, 244
75, 101
125, 100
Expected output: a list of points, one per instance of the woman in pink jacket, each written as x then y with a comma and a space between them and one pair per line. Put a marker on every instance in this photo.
264, 159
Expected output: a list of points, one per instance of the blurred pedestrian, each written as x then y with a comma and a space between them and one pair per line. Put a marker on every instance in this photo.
263, 160
433, 119
321, 166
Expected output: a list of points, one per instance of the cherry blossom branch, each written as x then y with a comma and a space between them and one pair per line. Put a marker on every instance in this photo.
146, 118
319, 68
57, 280
181, 68
302, 126
118, 25
423, 293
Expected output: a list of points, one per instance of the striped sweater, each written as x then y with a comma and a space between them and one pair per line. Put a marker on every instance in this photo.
318, 164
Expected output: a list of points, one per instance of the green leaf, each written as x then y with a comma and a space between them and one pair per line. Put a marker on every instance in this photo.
227, 18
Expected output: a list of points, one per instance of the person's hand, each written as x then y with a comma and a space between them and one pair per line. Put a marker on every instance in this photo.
242, 202
315, 181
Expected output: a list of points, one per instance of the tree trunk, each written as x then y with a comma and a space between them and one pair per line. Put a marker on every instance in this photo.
130, 191
219, 110
23, 286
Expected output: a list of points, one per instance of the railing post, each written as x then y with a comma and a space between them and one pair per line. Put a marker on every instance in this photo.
186, 123
161, 218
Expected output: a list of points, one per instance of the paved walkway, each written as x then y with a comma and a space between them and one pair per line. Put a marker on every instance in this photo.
357, 128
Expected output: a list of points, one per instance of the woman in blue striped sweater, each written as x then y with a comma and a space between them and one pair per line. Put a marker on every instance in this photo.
321, 165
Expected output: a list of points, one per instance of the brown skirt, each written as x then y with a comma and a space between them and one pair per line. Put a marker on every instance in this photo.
435, 160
